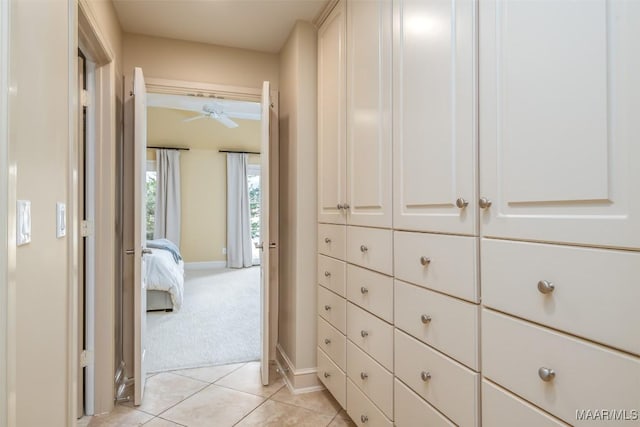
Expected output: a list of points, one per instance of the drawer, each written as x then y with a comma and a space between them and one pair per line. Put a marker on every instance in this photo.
371, 334
586, 282
333, 343
445, 323
587, 376
332, 308
333, 378
332, 274
371, 291
409, 407
447, 264
370, 248
362, 411
501, 408
332, 240
371, 378
451, 388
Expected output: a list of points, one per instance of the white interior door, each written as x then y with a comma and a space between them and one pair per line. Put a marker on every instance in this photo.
264, 234
140, 237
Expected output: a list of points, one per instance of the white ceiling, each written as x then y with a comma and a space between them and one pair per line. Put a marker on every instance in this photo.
235, 109
261, 25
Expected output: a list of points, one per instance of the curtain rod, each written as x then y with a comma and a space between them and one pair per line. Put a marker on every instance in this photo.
239, 152
169, 148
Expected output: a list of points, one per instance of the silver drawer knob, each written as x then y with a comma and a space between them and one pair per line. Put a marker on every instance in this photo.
364, 333
426, 376
364, 375
461, 203
340, 206
346, 206
425, 260
327, 307
327, 341
363, 248
327, 374
425, 318
546, 374
327, 274
364, 290
327, 240
364, 418
546, 287
484, 203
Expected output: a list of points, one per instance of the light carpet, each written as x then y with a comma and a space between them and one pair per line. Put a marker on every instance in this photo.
219, 322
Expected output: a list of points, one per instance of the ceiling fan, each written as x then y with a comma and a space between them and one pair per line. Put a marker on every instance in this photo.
214, 111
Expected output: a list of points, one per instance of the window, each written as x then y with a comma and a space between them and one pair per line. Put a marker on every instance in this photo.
253, 181
151, 181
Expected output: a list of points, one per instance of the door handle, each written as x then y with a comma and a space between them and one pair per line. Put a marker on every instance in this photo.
146, 251
130, 251
259, 245
273, 245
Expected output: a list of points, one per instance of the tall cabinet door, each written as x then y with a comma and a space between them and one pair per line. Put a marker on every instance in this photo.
560, 128
435, 113
369, 112
332, 118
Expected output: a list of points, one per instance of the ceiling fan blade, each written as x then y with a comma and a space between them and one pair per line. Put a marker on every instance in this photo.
226, 121
190, 119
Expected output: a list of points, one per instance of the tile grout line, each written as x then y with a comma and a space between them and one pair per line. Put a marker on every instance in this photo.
251, 411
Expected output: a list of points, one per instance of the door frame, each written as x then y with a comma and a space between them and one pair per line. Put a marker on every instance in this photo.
181, 87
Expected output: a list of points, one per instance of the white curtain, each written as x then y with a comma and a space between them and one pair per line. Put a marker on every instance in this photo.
238, 227
167, 213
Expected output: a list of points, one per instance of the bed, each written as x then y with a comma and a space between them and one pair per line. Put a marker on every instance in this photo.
164, 276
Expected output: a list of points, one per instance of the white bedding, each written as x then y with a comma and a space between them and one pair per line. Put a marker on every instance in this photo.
164, 274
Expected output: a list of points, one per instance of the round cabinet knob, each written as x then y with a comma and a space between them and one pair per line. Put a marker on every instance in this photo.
426, 376
484, 203
327, 341
340, 206
346, 206
425, 260
364, 375
327, 240
327, 274
364, 418
546, 287
546, 374
363, 248
327, 307
461, 203
425, 318
364, 333
327, 374
364, 290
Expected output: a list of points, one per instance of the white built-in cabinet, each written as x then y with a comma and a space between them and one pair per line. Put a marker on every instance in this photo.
485, 268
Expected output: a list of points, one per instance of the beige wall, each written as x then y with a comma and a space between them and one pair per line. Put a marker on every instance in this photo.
203, 173
297, 324
197, 62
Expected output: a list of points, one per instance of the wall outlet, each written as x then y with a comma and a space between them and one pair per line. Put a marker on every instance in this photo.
224, 251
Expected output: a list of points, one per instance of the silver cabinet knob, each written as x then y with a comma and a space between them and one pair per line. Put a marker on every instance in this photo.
546, 287
425, 376
425, 260
327, 341
363, 248
327, 307
327, 240
364, 333
327, 374
425, 318
364, 418
340, 206
327, 274
364, 375
364, 290
461, 203
484, 203
546, 374
346, 206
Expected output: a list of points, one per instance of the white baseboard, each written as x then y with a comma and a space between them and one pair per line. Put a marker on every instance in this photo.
298, 381
206, 265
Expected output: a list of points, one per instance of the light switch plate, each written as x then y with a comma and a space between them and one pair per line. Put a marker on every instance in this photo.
61, 220
23, 222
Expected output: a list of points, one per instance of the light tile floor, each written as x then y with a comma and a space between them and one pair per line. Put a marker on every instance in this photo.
221, 396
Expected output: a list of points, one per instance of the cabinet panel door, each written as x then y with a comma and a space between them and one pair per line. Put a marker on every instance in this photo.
332, 164
559, 128
369, 112
435, 115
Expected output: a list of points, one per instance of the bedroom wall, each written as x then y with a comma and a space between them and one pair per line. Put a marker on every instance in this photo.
203, 173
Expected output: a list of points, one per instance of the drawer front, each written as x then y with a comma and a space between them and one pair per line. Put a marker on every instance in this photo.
445, 323
332, 308
371, 378
371, 334
501, 408
444, 263
409, 408
587, 376
333, 378
332, 274
333, 343
450, 387
362, 411
371, 291
586, 281
370, 248
332, 240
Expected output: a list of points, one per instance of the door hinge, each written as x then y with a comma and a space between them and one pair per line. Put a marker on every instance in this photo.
86, 228
86, 358
84, 98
